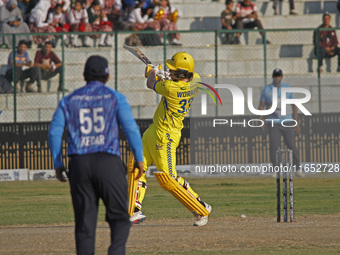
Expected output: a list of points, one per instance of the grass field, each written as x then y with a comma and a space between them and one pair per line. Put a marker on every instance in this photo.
44, 208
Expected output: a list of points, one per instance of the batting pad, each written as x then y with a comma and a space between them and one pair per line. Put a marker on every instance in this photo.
189, 201
132, 173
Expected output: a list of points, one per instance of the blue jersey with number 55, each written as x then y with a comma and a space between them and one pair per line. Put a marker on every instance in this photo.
92, 114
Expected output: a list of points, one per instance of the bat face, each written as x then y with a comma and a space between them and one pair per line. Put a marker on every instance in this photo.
138, 54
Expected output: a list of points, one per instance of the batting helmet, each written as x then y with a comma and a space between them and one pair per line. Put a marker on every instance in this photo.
181, 61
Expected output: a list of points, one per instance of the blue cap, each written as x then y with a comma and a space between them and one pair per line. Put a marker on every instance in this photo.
96, 66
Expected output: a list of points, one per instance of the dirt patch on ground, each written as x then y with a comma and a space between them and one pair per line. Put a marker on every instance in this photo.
178, 235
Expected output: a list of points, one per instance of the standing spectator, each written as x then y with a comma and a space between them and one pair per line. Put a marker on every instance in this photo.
246, 17
79, 23
99, 23
38, 25
24, 68
275, 119
328, 42
57, 19
49, 65
167, 16
291, 7
65, 4
11, 22
95, 168
228, 18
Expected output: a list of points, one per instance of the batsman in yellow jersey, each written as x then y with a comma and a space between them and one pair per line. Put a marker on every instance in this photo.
161, 139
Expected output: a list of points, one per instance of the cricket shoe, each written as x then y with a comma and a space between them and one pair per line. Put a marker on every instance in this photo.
202, 220
137, 218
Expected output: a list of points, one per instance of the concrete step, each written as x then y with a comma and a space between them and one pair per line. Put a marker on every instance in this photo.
233, 61
147, 111
44, 110
129, 64
50, 100
27, 115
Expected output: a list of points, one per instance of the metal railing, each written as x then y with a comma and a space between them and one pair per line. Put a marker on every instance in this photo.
25, 145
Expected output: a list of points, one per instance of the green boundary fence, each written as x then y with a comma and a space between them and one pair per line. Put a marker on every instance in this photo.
25, 145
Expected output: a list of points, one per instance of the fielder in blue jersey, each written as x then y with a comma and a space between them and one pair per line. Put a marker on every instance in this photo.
92, 115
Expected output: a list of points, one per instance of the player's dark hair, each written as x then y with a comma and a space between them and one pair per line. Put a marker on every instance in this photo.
183, 74
57, 6
89, 78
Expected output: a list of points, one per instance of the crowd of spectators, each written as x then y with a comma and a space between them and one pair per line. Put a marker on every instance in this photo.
45, 66
52, 16
244, 17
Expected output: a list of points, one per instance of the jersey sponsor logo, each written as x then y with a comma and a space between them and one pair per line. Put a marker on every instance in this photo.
159, 147
92, 140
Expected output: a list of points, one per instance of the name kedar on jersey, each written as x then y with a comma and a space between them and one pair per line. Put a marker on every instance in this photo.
92, 140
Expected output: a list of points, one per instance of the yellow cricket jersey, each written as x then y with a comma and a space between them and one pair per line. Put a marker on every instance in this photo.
177, 97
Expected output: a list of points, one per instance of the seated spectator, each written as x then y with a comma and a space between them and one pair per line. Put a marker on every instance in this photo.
167, 16
128, 6
23, 66
11, 22
115, 14
109, 5
291, 7
79, 23
140, 22
99, 23
30, 5
22, 5
65, 4
328, 42
38, 25
246, 17
149, 4
49, 65
57, 19
228, 18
